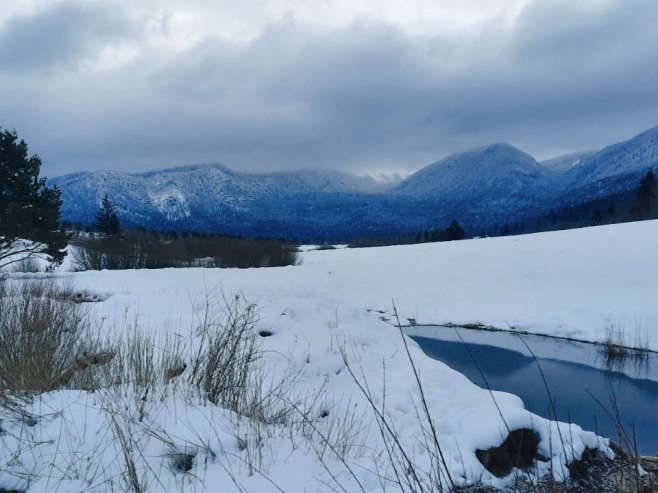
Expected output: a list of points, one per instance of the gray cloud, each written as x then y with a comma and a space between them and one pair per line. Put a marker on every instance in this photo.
367, 96
63, 35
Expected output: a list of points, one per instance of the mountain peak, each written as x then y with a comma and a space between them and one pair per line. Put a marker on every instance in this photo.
504, 152
498, 147
496, 168
492, 156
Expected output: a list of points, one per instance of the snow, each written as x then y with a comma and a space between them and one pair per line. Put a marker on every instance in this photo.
567, 283
171, 203
16, 259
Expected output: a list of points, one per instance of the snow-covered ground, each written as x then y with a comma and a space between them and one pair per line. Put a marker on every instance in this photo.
568, 283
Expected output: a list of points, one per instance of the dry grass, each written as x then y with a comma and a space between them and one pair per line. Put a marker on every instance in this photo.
619, 346
225, 361
42, 344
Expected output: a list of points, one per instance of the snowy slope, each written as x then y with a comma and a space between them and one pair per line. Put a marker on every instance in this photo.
633, 156
563, 283
616, 169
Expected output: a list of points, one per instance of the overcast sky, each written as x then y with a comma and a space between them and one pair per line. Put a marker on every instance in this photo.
354, 85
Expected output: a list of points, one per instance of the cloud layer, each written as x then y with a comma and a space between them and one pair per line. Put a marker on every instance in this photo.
98, 85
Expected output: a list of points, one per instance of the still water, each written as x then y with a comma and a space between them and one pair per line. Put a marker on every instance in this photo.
586, 389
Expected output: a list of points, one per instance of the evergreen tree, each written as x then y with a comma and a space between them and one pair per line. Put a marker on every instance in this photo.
454, 232
612, 210
645, 197
29, 209
107, 219
596, 218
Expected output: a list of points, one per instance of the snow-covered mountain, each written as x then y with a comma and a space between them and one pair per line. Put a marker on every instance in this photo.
482, 188
615, 168
494, 171
218, 181
212, 197
632, 157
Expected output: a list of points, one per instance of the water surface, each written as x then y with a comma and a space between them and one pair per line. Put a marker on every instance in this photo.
585, 388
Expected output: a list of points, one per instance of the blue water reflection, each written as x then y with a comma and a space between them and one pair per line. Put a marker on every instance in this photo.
582, 393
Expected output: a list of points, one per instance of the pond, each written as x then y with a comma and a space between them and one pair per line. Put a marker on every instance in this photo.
586, 387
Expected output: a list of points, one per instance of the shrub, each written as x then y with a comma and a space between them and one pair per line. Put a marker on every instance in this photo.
141, 250
224, 364
41, 341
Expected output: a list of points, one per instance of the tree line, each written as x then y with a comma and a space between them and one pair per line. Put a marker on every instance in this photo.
30, 219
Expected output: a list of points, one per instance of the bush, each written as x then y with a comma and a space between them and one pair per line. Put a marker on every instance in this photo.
255, 253
113, 253
142, 250
41, 342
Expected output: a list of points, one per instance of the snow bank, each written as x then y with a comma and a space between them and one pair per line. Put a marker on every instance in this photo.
563, 283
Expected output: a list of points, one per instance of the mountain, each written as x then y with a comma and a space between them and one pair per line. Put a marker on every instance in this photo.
211, 197
632, 157
483, 188
493, 171
478, 187
486, 187
592, 182
613, 169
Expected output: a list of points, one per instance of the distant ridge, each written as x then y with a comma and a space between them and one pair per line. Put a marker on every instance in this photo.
483, 188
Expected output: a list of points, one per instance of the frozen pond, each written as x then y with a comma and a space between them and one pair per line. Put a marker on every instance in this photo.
585, 387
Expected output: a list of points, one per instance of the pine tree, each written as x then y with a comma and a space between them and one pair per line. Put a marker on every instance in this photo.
454, 232
29, 209
646, 196
107, 219
596, 218
612, 210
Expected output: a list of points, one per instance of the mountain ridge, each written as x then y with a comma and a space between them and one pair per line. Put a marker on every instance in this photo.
483, 188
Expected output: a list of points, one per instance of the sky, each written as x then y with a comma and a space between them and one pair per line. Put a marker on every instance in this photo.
350, 85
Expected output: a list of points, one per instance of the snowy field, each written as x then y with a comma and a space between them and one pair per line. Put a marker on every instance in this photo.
567, 283
326, 310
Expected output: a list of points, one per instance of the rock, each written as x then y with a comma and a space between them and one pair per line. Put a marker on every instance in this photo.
593, 472
519, 450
